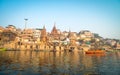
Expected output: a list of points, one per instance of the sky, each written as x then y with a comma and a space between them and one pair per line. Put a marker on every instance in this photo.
97, 16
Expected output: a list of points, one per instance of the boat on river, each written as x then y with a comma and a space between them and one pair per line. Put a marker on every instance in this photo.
95, 52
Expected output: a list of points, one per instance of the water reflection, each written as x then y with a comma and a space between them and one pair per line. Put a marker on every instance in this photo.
58, 63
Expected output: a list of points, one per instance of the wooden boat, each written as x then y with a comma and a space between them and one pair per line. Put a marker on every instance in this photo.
94, 52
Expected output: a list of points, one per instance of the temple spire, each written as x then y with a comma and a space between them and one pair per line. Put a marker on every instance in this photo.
54, 23
54, 27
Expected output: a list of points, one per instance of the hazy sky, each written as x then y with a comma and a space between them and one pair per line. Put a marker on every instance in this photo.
98, 16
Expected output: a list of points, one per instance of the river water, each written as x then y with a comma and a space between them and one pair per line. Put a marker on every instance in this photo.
58, 63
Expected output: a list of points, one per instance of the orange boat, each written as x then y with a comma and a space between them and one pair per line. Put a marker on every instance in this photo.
94, 52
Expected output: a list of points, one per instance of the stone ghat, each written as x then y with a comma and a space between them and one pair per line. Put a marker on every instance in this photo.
38, 47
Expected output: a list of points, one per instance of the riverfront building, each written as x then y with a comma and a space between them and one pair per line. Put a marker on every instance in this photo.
40, 39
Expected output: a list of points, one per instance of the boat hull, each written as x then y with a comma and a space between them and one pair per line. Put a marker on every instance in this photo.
95, 52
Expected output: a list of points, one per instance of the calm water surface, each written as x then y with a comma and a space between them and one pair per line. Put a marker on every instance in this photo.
58, 63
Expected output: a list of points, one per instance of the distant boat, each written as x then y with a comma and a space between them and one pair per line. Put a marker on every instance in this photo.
95, 52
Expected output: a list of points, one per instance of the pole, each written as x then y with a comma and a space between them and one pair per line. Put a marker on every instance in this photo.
25, 23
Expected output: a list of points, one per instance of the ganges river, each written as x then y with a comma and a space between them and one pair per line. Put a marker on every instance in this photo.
58, 63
